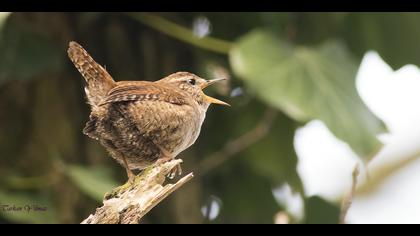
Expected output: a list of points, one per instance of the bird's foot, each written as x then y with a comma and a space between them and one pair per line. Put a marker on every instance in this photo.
174, 171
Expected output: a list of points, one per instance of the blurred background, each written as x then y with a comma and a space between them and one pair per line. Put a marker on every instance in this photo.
324, 112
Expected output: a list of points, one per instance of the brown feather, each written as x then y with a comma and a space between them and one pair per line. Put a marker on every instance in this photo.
99, 82
144, 91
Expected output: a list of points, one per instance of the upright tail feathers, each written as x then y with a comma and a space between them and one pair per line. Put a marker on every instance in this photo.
99, 82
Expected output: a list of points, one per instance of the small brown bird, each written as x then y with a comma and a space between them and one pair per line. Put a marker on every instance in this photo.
141, 122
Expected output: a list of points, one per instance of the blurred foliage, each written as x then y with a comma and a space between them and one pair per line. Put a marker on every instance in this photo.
319, 211
93, 181
309, 84
19, 42
302, 65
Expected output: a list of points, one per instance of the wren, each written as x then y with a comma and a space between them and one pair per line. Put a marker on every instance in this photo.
141, 123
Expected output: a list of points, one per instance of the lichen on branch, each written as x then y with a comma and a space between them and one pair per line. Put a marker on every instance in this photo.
127, 204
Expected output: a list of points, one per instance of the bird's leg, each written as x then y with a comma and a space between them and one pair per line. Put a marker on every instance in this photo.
166, 156
130, 174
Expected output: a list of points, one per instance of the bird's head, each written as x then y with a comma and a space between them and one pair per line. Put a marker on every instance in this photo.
194, 86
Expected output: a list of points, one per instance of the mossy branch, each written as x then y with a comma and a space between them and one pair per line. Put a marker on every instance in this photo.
127, 204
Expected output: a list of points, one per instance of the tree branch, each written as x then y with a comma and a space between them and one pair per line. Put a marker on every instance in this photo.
127, 204
181, 33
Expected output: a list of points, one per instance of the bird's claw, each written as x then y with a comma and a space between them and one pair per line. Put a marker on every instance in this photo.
176, 170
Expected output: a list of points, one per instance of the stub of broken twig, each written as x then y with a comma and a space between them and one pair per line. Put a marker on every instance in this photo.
127, 204
347, 201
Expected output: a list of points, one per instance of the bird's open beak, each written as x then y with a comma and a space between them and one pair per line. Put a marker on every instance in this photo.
211, 99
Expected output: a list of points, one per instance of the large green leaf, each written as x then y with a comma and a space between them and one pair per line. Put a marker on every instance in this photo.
394, 35
93, 181
308, 83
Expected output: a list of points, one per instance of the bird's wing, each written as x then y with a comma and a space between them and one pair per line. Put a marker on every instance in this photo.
165, 124
143, 91
161, 121
160, 113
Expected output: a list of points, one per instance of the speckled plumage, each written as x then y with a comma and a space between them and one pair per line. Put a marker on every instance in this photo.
142, 121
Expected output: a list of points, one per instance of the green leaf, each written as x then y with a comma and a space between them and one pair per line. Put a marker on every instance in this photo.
27, 208
93, 181
319, 211
308, 83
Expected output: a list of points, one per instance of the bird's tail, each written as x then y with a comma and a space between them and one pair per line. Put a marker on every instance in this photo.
99, 82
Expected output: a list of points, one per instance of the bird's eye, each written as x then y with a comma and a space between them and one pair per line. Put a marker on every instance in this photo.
191, 81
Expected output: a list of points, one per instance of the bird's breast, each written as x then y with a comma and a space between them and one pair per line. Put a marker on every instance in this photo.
190, 128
